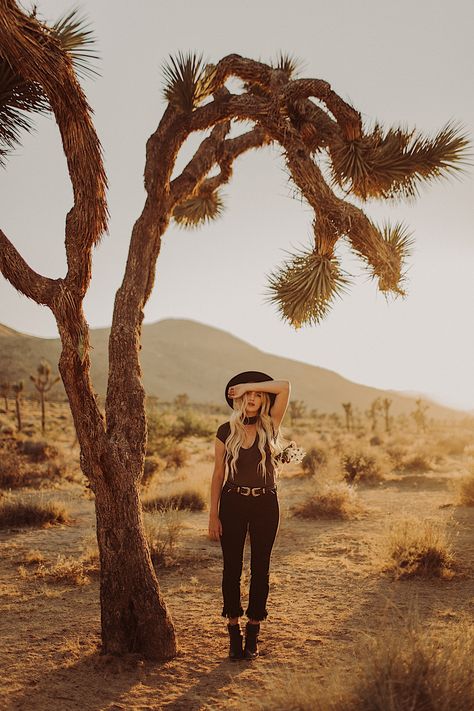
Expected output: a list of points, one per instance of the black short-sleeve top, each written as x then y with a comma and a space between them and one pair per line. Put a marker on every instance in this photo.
247, 462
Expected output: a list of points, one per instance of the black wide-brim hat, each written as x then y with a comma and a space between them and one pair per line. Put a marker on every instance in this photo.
248, 376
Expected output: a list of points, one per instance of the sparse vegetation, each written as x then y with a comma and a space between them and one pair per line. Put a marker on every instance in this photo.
419, 548
190, 500
314, 459
361, 464
22, 513
163, 530
337, 500
43, 382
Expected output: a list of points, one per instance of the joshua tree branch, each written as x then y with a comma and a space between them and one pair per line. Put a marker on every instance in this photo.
25, 280
224, 153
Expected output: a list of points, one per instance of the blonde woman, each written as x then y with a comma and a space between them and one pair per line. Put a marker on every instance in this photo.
246, 448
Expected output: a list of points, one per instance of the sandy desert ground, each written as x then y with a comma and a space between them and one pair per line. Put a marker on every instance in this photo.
329, 590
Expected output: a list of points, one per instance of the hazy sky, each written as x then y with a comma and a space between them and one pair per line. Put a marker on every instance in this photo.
405, 62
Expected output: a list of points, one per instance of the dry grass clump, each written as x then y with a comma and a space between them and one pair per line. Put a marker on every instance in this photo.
163, 530
334, 500
21, 513
455, 443
65, 570
466, 488
27, 463
419, 459
419, 548
405, 669
361, 464
186, 500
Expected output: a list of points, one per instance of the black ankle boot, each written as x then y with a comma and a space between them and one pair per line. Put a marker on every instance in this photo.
235, 648
251, 640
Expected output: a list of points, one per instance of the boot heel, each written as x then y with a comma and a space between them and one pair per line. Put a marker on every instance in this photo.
251, 641
235, 637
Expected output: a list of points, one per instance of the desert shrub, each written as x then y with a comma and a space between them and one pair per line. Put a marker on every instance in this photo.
37, 451
396, 452
191, 500
20, 513
466, 488
153, 465
419, 548
314, 459
375, 441
163, 530
454, 444
189, 424
361, 464
407, 667
416, 461
337, 500
65, 570
176, 456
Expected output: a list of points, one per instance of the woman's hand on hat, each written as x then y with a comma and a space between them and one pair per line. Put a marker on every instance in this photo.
236, 391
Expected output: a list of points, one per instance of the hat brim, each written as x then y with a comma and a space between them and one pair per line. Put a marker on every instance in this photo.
248, 376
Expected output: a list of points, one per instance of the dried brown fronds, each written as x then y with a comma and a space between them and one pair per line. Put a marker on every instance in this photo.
392, 163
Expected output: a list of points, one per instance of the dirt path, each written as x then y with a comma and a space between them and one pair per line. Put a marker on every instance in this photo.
327, 591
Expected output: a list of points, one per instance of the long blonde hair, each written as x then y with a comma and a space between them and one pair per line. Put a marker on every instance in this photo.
265, 434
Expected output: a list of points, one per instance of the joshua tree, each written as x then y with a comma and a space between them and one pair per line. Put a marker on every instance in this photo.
309, 122
43, 383
373, 413
419, 414
181, 401
297, 409
349, 415
18, 390
4, 392
386, 403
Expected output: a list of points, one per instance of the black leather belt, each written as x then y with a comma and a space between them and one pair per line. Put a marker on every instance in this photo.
250, 490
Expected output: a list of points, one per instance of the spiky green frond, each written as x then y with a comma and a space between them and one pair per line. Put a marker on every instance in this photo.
198, 210
392, 163
384, 250
17, 100
287, 63
76, 37
187, 80
399, 242
305, 287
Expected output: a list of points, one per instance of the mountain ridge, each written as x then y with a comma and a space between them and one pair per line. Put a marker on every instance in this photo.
172, 357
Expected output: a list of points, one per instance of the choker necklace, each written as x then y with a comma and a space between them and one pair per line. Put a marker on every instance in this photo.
250, 420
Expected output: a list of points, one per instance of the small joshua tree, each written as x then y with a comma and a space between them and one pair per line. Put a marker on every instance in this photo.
43, 382
373, 413
419, 415
349, 415
312, 126
18, 391
386, 403
181, 401
297, 409
4, 392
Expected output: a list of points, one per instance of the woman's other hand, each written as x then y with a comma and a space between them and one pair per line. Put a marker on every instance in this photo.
215, 528
236, 391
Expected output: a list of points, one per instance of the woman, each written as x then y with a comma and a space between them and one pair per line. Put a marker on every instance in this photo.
246, 448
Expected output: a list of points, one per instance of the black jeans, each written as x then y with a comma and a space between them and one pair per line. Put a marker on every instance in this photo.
260, 515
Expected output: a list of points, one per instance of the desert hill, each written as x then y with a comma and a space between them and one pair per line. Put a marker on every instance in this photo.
183, 356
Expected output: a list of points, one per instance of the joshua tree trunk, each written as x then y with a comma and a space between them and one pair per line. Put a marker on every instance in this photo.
18, 413
43, 416
134, 616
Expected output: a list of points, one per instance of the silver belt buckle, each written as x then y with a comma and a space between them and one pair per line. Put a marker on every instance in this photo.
254, 491
245, 493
